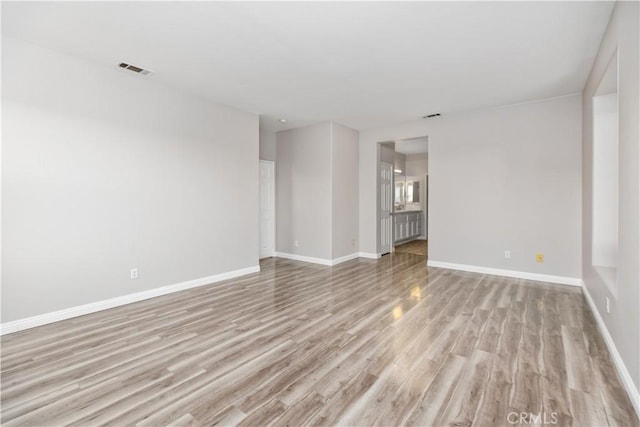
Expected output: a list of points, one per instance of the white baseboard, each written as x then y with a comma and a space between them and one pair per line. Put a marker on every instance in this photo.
81, 310
369, 255
627, 382
295, 257
562, 280
314, 260
345, 258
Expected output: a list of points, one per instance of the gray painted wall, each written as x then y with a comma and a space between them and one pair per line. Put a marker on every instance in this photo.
508, 179
344, 191
499, 179
303, 191
103, 171
267, 145
400, 163
387, 153
417, 164
317, 191
623, 322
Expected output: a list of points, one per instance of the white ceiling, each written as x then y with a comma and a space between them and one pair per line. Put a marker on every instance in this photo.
362, 64
412, 145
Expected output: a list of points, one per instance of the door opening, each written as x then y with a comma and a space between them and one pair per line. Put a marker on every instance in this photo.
411, 194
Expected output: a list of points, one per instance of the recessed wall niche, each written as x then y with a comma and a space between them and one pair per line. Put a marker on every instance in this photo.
604, 245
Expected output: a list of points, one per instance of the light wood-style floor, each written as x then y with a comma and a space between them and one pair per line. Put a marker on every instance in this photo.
369, 342
416, 247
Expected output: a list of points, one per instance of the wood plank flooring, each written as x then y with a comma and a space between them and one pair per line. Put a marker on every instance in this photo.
368, 342
417, 247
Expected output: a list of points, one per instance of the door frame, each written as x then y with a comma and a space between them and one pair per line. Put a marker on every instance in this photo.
272, 164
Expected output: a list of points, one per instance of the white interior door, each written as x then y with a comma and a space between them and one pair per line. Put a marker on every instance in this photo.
386, 207
267, 209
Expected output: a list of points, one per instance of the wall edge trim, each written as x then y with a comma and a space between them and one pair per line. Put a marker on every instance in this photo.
316, 260
369, 255
561, 280
623, 372
81, 310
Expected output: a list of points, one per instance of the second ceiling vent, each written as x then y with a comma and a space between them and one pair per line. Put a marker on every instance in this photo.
135, 69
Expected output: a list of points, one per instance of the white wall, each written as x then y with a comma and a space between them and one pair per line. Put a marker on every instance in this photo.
317, 191
499, 179
400, 163
623, 323
267, 145
417, 164
387, 153
344, 191
303, 191
104, 171
605, 181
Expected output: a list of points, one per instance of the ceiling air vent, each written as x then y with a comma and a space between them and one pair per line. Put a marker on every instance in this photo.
428, 116
135, 69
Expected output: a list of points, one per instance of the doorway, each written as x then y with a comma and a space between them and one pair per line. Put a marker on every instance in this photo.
267, 209
411, 189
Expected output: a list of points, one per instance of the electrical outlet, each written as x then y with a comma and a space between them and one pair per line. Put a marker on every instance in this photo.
296, 243
507, 254
540, 257
353, 243
608, 306
134, 273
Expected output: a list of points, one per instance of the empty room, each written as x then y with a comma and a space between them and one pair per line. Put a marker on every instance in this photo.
320, 213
